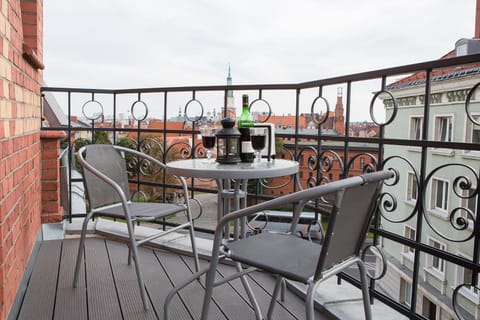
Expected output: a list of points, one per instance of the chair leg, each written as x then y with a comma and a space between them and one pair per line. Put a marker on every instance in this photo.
273, 301
191, 230
136, 262
81, 247
366, 297
309, 310
209, 284
251, 296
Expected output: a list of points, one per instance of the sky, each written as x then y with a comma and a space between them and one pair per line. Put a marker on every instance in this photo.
155, 43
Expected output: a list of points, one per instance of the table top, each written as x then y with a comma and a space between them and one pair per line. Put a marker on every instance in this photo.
200, 168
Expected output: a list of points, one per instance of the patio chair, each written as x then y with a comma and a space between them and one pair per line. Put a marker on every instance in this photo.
106, 182
354, 201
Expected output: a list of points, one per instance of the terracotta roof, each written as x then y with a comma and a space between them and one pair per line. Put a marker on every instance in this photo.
418, 78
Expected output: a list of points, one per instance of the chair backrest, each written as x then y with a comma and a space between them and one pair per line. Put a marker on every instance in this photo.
350, 218
109, 162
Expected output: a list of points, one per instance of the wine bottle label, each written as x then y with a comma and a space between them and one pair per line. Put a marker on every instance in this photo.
247, 147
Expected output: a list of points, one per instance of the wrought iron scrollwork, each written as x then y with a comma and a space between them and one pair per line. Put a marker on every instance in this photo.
461, 218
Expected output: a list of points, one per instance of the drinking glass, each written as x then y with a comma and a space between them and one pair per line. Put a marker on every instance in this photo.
258, 138
208, 140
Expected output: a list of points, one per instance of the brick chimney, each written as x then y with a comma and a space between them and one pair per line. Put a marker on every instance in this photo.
477, 21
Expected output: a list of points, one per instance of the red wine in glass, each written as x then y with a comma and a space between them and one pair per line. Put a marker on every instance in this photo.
208, 142
258, 138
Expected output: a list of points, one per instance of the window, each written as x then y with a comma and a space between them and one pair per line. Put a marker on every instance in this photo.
416, 128
472, 133
443, 128
464, 276
412, 188
470, 202
434, 263
439, 200
429, 309
362, 163
409, 233
405, 292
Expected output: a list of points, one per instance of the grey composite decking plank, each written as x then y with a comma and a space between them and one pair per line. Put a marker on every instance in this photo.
127, 284
71, 302
102, 296
191, 295
39, 298
230, 301
158, 286
263, 297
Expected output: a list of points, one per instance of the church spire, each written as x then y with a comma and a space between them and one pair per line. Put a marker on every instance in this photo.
229, 82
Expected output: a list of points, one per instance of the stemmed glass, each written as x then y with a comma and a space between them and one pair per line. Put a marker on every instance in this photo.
208, 140
258, 138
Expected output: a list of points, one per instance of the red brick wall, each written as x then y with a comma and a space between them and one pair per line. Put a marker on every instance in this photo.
20, 149
51, 208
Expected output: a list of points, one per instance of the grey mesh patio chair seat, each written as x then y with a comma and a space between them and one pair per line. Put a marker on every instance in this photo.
354, 201
106, 181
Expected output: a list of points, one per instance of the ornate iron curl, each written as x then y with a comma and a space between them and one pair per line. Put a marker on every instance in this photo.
185, 151
369, 167
388, 201
380, 255
467, 104
457, 222
455, 298
326, 161
152, 147
139, 195
395, 107
312, 161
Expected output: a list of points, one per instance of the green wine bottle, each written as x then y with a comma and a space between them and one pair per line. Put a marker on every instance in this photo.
245, 122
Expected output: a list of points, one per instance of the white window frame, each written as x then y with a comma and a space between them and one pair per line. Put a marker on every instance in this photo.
469, 128
445, 184
470, 293
437, 133
410, 233
415, 131
465, 203
438, 127
405, 292
412, 186
431, 261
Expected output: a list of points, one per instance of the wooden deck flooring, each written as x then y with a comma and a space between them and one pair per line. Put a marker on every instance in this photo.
109, 290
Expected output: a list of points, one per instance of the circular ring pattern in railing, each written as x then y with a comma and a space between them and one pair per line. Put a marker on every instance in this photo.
259, 102
372, 105
139, 196
323, 116
375, 254
92, 110
190, 112
468, 289
134, 110
467, 104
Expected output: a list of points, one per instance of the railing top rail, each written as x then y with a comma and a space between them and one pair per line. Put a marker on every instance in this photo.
368, 75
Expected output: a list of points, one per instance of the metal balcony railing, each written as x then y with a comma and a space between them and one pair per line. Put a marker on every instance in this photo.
421, 121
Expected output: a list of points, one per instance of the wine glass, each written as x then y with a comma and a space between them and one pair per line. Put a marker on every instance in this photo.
208, 140
258, 138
